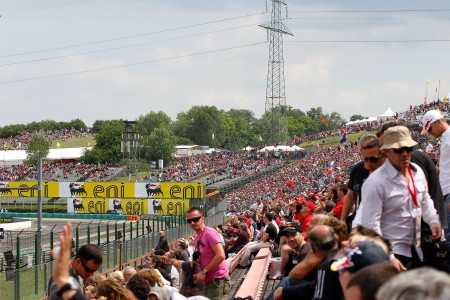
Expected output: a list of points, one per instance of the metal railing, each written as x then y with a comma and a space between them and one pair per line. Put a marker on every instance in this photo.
121, 242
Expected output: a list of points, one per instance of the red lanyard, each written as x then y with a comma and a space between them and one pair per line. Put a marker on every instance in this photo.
413, 192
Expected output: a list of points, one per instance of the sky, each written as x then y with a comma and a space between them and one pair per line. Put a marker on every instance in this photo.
115, 59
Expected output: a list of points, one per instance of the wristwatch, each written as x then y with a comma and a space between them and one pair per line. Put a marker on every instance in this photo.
205, 272
72, 284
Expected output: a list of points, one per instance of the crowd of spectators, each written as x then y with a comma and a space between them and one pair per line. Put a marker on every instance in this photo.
20, 142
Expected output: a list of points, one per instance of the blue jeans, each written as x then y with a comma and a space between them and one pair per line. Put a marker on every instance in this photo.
447, 211
285, 282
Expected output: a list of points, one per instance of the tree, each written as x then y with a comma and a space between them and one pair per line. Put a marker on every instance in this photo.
203, 125
153, 120
357, 117
107, 147
160, 144
37, 148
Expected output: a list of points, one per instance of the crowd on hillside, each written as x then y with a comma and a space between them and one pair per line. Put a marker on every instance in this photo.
20, 142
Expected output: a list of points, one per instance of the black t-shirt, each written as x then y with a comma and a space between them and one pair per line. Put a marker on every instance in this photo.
327, 284
358, 175
271, 230
434, 187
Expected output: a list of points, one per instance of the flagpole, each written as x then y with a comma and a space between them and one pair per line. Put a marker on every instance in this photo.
439, 88
426, 91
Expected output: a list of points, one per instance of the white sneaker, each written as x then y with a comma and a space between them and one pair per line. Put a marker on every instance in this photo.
277, 275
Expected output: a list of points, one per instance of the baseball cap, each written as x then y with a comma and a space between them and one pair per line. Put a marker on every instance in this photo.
397, 137
358, 256
161, 293
290, 230
429, 118
310, 205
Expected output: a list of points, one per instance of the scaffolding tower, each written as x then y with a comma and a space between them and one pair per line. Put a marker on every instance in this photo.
276, 126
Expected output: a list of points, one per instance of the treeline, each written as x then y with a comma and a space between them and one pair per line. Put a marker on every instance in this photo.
17, 129
205, 125
201, 125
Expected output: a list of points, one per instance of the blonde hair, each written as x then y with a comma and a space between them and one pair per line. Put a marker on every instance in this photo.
112, 289
117, 275
151, 276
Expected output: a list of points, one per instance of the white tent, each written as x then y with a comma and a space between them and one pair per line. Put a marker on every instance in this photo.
248, 148
295, 148
267, 148
282, 148
388, 113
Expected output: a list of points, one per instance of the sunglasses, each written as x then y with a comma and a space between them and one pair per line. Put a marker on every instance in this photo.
86, 268
400, 150
193, 220
371, 159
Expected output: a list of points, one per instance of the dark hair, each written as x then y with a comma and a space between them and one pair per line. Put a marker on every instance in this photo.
194, 208
385, 127
370, 278
322, 241
269, 216
139, 286
342, 187
89, 252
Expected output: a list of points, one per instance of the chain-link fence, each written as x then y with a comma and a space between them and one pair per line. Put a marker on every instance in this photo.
22, 277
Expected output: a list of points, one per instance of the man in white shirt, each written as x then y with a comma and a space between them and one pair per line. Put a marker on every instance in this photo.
397, 197
435, 124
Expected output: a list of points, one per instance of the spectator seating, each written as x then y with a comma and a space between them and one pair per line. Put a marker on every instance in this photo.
251, 287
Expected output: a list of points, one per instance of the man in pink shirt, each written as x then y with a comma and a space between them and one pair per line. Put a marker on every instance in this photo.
212, 267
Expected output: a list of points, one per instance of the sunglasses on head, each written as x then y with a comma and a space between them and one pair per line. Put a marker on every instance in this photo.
400, 150
371, 159
193, 220
86, 268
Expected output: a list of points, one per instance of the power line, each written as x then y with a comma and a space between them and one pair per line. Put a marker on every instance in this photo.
44, 8
373, 11
371, 41
123, 47
131, 64
131, 36
363, 18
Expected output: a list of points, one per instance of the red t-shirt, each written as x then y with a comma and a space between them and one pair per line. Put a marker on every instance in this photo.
337, 210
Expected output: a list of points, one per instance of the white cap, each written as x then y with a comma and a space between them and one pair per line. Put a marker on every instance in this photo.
429, 118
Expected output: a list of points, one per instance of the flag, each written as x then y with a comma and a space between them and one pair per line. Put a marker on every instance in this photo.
260, 138
330, 168
344, 138
323, 120
212, 136
445, 98
425, 100
58, 145
326, 124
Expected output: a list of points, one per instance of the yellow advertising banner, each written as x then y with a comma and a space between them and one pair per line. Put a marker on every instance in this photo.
158, 190
127, 206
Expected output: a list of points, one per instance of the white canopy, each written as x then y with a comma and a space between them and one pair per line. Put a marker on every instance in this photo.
282, 148
248, 148
388, 113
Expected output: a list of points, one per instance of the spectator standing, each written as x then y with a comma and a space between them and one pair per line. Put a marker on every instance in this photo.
337, 210
399, 197
435, 124
87, 261
213, 269
163, 245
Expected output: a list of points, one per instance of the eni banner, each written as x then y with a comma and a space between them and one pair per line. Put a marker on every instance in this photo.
152, 190
127, 206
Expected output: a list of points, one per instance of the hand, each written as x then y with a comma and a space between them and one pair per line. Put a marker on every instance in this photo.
436, 231
60, 271
200, 277
278, 294
398, 265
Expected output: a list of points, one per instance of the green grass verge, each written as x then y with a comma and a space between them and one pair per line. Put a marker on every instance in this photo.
334, 140
75, 142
